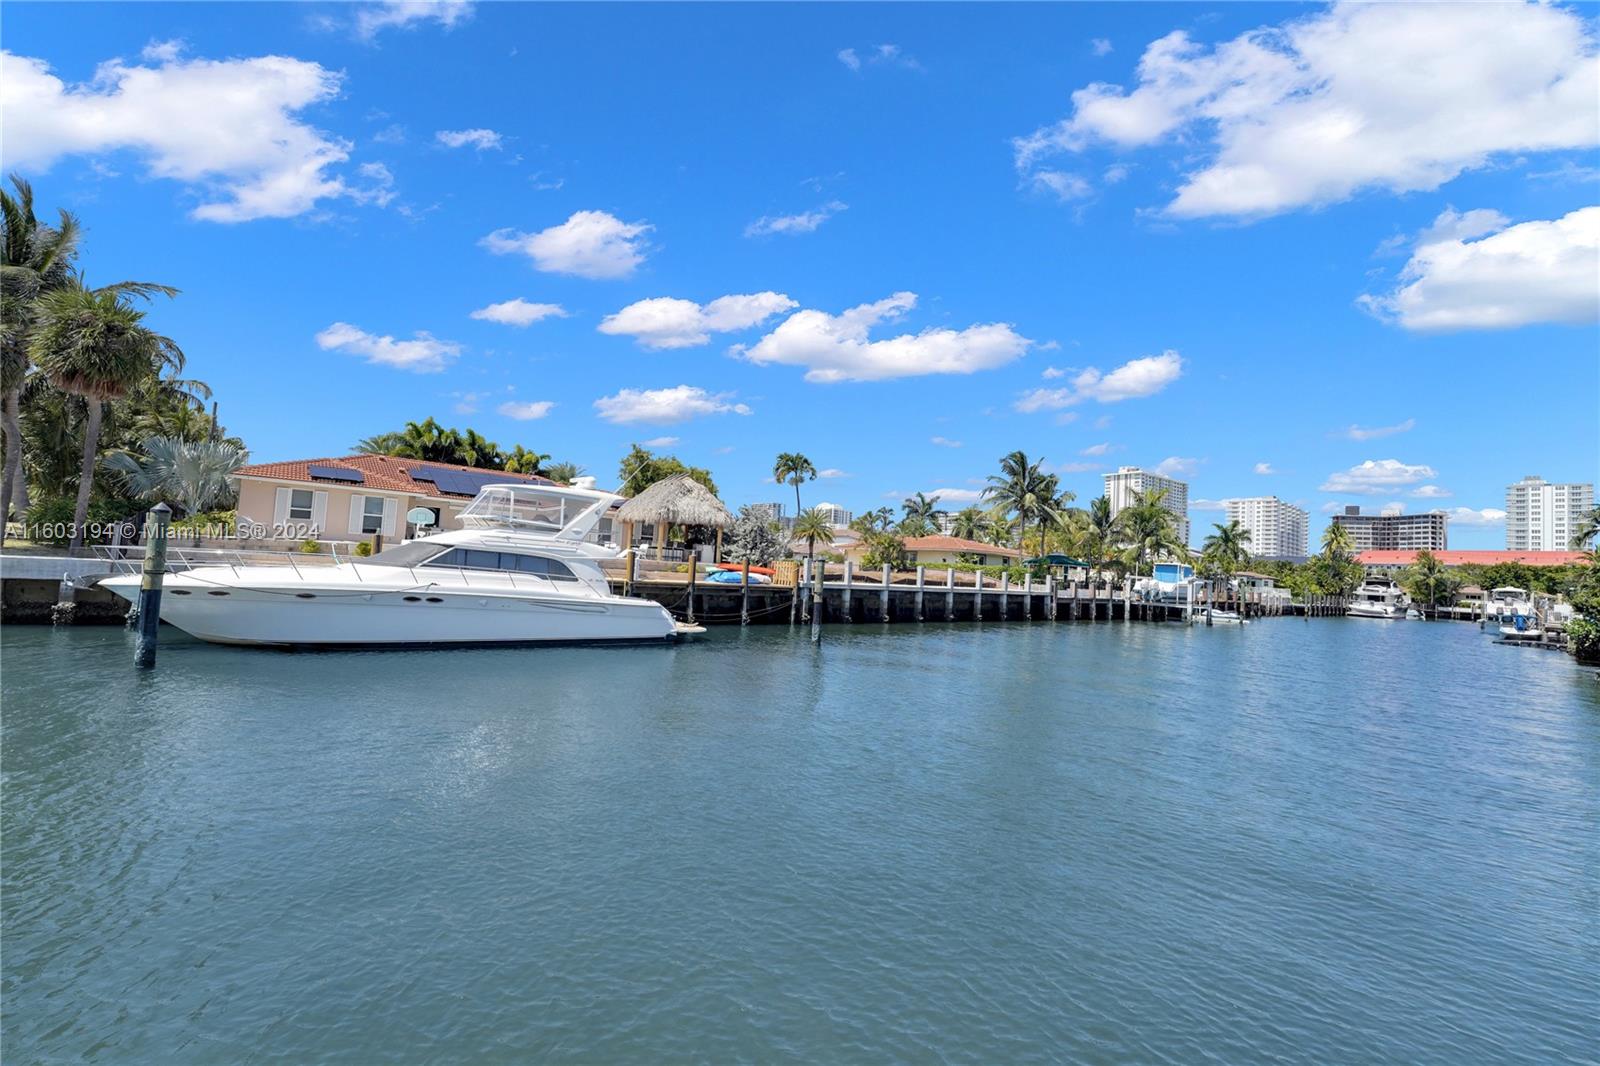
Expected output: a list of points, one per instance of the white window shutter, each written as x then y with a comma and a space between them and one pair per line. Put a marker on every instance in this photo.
319, 511
391, 511
357, 505
280, 508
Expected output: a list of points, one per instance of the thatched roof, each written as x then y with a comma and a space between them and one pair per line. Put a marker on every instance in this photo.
678, 500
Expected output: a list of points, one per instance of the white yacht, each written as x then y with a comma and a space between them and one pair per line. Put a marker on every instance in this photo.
1378, 597
1510, 611
524, 569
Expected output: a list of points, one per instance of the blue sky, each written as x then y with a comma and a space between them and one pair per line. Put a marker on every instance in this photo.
1338, 255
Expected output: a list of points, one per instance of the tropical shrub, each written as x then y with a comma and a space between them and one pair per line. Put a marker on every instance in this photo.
311, 546
364, 549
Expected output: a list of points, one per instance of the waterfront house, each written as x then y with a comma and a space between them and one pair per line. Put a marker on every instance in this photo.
1388, 562
941, 550
356, 497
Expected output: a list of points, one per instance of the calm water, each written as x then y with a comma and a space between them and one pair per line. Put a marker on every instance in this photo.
1306, 842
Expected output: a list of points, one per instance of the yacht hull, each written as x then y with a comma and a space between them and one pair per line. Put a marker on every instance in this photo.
1375, 610
333, 617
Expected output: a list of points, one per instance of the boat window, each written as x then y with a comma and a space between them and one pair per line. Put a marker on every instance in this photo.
478, 559
414, 554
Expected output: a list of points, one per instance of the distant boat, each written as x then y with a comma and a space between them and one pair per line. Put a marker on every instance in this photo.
1503, 605
1379, 597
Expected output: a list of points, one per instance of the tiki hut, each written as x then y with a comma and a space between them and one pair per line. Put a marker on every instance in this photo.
675, 501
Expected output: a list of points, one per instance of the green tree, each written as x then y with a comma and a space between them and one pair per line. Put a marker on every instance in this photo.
1588, 529
792, 468
970, 523
1428, 581
1228, 547
921, 516
1025, 490
563, 473
92, 343
1149, 531
1336, 540
641, 468
521, 461
755, 538
813, 527
195, 475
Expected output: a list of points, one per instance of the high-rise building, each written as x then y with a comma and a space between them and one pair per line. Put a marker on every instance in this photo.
1395, 532
836, 515
773, 511
1541, 516
1278, 530
1129, 481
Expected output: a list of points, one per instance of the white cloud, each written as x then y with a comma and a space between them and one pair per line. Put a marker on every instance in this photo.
481, 139
1134, 379
1508, 277
1050, 373
1400, 97
1208, 505
225, 127
1468, 516
1394, 507
951, 495
525, 411
518, 312
1177, 466
1074, 467
408, 14
661, 442
848, 57
1100, 46
1430, 492
1377, 432
1096, 449
666, 322
831, 473
882, 55
162, 51
944, 442
1062, 185
590, 244
666, 406
835, 347
805, 222
1265, 468
424, 353
1377, 476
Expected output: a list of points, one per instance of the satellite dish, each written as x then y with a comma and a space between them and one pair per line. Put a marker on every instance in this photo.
420, 516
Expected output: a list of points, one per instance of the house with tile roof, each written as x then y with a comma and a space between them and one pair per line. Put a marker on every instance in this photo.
356, 497
941, 550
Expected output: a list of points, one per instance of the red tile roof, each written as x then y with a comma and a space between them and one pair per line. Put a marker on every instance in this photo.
1472, 558
383, 472
956, 544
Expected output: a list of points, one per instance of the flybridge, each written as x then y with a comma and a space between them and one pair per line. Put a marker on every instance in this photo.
548, 510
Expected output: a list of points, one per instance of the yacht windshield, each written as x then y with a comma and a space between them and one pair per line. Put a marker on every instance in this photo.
413, 554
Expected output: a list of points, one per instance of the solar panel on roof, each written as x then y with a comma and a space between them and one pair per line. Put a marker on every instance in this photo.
337, 473
425, 473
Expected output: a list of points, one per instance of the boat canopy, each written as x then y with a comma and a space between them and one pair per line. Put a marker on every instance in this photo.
543, 510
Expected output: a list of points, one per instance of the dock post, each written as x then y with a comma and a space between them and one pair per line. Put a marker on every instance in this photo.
883, 596
1027, 596
977, 595
155, 566
922, 581
1050, 604
1005, 595
950, 593
694, 564
803, 589
849, 582
633, 563
744, 595
816, 604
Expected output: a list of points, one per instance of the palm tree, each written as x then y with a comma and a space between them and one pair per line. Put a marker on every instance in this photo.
1588, 529
34, 259
970, 523
1024, 489
921, 515
1427, 579
197, 475
92, 343
522, 461
563, 472
813, 526
477, 451
792, 468
1336, 542
382, 444
1229, 546
997, 526
1149, 530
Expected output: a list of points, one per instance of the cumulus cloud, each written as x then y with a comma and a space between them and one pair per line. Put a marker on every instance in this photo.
1394, 507
951, 495
805, 222
661, 442
226, 128
1469, 516
1429, 492
1177, 466
424, 353
525, 411
518, 312
666, 322
848, 57
666, 406
836, 347
1378, 476
409, 14
944, 442
1375, 432
830, 473
1509, 276
1100, 46
883, 55
481, 139
1208, 505
1134, 379
1400, 97
590, 244
1096, 449
1062, 185
1265, 468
